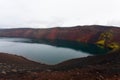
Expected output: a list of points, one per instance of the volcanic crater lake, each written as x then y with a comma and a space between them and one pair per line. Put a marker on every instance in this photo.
48, 52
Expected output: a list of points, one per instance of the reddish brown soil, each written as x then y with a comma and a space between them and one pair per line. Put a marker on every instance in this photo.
86, 34
76, 74
104, 67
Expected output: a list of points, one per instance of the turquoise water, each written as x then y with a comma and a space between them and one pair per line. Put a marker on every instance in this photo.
48, 52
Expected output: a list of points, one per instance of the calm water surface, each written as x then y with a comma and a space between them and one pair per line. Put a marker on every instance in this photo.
49, 52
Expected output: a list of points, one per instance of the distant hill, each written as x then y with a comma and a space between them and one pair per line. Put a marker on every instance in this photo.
95, 34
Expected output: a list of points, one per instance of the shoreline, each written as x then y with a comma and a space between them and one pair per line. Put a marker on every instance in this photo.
105, 65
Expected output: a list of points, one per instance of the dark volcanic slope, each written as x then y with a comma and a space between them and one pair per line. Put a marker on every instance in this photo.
9, 62
106, 61
104, 67
10, 58
89, 34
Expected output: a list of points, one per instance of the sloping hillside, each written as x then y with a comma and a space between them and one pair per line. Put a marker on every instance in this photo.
78, 33
104, 67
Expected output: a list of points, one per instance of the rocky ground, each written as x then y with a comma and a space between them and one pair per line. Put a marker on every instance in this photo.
104, 67
12, 63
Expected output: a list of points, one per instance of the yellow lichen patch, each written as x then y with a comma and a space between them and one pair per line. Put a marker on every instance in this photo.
106, 36
105, 39
101, 42
114, 46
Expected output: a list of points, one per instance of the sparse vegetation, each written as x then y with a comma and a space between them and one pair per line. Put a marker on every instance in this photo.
106, 41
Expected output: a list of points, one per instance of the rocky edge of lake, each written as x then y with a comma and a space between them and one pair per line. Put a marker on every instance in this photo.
102, 67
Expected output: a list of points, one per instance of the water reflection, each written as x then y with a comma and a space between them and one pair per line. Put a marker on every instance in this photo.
47, 51
88, 48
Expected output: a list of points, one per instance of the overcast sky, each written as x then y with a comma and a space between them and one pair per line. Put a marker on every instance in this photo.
52, 13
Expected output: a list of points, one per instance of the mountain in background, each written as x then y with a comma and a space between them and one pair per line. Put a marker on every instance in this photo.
107, 36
